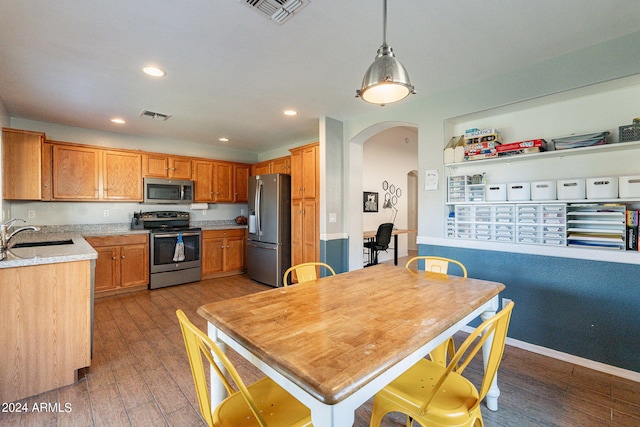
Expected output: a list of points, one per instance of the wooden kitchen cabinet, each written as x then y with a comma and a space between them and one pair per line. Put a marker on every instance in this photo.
76, 172
241, 182
279, 165
223, 182
220, 182
122, 264
261, 168
155, 165
305, 204
22, 166
45, 313
203, 180
223, 252
85, 173
121, 172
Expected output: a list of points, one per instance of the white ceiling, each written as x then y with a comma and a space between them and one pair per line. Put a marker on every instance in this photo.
231, 72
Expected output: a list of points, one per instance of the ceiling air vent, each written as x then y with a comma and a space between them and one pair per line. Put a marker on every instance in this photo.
278, 11
154, 116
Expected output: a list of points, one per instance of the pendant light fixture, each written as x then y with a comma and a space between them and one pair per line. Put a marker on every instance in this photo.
386, 80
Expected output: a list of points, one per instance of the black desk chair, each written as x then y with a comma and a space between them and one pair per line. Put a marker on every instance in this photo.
381, 242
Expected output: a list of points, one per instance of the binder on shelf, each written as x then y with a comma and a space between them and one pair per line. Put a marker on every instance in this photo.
632, 230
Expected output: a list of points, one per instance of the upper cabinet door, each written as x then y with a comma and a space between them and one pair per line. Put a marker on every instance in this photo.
203, 179
155, 165
22, 164
180, 168
241, 182
163, 166
223, 182
122, 174
76, 172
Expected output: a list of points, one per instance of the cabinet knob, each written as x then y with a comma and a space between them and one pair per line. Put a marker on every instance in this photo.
114, 258
228, 246
122, 257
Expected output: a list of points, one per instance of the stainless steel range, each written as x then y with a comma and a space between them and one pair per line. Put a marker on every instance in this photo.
174, 254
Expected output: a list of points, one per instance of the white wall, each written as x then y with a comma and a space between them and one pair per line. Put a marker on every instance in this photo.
389, 156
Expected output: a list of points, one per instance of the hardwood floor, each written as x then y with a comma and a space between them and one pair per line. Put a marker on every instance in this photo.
140, 375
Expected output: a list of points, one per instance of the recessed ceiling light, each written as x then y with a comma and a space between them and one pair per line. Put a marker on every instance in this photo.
154, 71
223, 139
290, 112
118, 121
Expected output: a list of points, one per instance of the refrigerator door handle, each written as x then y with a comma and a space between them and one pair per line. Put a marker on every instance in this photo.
258, 203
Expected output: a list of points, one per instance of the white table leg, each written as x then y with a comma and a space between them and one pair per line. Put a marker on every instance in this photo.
494, 391
332, 415
217, 390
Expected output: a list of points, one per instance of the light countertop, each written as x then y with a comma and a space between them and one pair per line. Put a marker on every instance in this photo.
80, 250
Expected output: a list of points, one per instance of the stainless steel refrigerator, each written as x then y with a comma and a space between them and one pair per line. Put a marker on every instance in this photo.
269, 245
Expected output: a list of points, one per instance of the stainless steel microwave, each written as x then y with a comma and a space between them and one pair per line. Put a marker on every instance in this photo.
168, 191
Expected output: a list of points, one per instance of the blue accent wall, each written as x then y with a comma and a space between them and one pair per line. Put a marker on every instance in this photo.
589, 309
335, 253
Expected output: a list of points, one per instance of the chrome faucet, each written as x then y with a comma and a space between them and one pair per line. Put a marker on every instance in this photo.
5, 236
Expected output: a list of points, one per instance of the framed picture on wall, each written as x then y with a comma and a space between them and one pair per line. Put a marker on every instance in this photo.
370, 202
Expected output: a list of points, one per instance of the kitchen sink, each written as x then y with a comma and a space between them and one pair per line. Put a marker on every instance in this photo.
43, 243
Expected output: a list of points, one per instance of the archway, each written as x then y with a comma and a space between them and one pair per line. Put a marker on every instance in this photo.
355, 187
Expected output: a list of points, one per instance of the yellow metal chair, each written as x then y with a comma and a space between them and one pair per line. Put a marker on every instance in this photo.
434, 395
263, 403
440, 265
306, 272
436, 264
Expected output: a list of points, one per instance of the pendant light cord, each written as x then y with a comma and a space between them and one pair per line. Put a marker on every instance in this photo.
384, 22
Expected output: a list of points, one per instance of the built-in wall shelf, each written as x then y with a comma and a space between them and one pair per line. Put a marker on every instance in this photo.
618, 146
571, 201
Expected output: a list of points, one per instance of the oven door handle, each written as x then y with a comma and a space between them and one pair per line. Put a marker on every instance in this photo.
176, 234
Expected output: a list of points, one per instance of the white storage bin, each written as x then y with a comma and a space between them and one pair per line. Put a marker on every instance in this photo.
543, 190
496, 192
519, 191
629, 186
571, 189
602, 188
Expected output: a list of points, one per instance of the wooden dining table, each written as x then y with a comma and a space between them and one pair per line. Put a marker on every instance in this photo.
336, 341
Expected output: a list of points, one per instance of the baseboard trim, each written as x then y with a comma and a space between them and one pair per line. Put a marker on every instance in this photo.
576, 360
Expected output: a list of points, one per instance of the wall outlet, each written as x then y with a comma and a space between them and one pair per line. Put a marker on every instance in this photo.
31, 213
204, 212
505, 301
106, 213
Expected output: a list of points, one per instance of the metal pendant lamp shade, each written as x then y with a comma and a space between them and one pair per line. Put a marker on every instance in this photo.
386, 80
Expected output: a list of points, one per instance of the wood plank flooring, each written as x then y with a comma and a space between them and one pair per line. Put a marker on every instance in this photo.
140, 375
